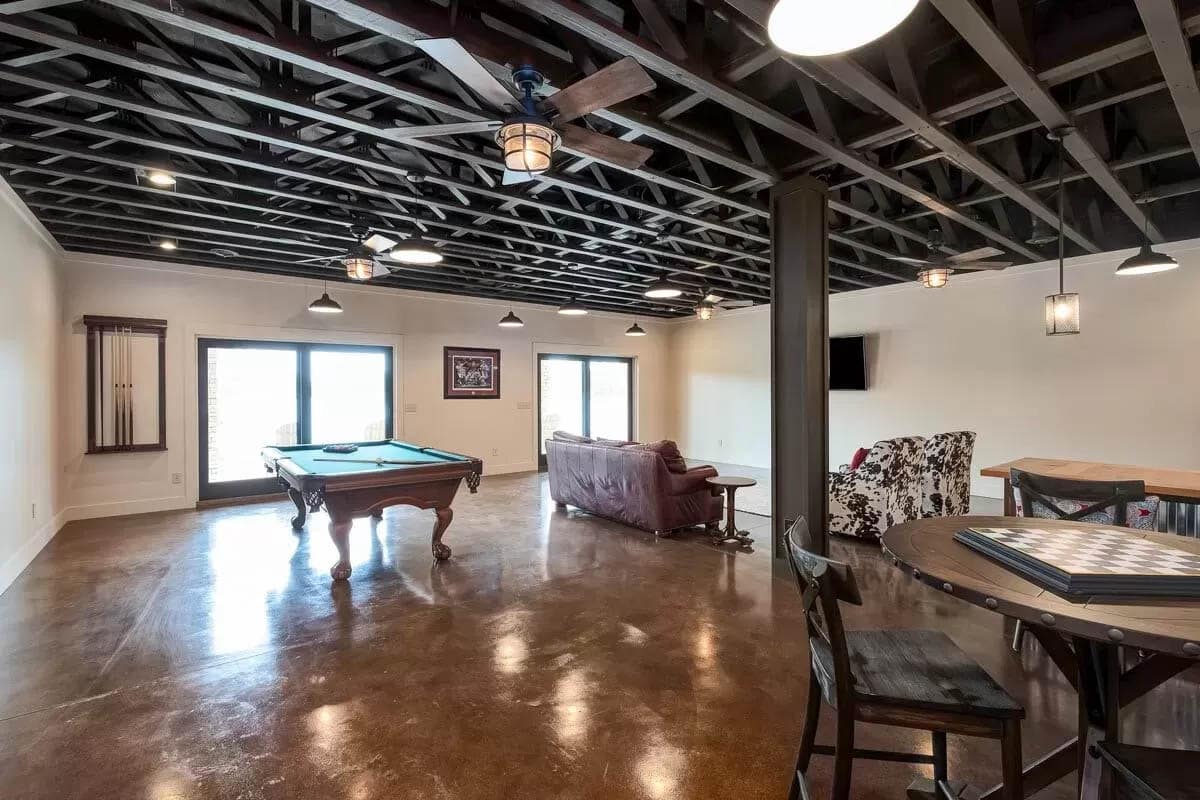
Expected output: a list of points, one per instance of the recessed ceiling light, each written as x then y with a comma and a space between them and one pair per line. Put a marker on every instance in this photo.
663, 289
160, 178
572, 309
807, 28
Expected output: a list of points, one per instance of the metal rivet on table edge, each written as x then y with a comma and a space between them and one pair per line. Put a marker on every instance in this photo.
1191, 648
1048, 619
1116, 634
991, 603
947, 587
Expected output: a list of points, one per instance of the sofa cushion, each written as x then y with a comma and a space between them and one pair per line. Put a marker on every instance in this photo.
614, 442
669, 451
563, 436
860, 455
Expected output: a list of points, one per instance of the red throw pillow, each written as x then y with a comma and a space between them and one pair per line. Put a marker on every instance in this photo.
860, 455
669, 451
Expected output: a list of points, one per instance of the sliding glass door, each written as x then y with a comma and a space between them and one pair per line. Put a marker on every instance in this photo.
584, 395
257, 394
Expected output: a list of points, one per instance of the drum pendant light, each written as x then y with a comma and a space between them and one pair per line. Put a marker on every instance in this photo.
825, 27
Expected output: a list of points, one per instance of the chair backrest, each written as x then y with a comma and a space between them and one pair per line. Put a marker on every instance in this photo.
823, 583
1066, 498
896, 465
946, 477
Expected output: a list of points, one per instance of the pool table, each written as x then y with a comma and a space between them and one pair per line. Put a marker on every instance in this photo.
364, 482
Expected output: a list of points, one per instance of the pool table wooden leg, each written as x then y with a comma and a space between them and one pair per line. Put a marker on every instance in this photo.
444, 515
301, 510
339, 531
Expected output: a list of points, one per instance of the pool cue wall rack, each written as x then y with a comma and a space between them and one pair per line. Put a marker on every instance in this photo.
127, 388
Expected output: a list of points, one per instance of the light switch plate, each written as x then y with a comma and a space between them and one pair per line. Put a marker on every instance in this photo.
524, 405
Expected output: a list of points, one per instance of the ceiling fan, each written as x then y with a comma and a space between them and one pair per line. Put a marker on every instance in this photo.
361, 259
935, 271
528, 128
710, 302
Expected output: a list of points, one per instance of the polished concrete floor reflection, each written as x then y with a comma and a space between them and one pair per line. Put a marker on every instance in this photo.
204, 654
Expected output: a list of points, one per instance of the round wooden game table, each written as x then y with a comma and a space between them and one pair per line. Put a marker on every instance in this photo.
1083, 636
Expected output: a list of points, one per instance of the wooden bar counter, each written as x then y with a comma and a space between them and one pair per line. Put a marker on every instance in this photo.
1173, 485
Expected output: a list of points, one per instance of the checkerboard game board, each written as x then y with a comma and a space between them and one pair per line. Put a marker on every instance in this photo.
1090, 561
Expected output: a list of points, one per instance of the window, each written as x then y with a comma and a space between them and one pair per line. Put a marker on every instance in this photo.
256, 394
584, 395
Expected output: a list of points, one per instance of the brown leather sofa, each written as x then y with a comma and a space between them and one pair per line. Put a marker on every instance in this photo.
631, 484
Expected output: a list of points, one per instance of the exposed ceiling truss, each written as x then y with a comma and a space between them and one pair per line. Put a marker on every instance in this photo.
286, 123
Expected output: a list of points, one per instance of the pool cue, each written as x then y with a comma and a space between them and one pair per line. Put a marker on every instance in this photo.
377, 461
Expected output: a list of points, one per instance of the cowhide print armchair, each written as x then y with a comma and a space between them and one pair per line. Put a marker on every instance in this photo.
946, 482
884, 491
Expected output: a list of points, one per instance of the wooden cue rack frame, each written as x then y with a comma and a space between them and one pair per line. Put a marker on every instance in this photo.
127, 387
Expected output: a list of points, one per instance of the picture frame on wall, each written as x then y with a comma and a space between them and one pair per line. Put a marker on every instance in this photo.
471, 373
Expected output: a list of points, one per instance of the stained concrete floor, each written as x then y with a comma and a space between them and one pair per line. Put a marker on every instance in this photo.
204, 654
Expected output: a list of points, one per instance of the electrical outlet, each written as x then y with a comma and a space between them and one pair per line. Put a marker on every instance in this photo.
176, 477
34, 510
720, 442
524, 405
410, 408
495, 451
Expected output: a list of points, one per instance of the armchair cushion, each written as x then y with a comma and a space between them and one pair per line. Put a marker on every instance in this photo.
1140, 514
691, 481
885, 490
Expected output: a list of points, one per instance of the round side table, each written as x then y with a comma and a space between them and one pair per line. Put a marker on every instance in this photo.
731, 483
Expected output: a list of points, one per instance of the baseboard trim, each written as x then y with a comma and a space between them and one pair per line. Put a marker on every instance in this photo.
16, 564
125, 508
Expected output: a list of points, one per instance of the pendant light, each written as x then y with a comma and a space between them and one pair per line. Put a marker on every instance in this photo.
161, 179
635, 330
825, 27
663, 289
325, 304
168, 244
572, 309
511, 320
415, 251
1062, 309
1147, 260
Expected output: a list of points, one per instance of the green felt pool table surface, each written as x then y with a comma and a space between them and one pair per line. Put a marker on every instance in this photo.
314, 460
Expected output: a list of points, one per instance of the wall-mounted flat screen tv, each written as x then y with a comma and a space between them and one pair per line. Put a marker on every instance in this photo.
848, 363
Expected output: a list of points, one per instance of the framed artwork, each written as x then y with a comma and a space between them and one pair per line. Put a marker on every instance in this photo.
471, 373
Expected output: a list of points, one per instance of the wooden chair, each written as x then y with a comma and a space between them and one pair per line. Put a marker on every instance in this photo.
1152, 773
910, 679
1106, 502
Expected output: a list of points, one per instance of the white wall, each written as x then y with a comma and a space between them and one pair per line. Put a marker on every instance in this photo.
198, 302
975, 356
30, 313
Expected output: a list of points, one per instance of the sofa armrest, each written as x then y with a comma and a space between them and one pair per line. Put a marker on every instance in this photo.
691, 481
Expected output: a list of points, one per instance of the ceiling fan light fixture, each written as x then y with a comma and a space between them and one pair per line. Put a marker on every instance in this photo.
635, 330
662, 289
934, 278
511, 320
359, 262
1146, 261
705, 310
528, 144
572, 309
325, 305
808, 28
415, 251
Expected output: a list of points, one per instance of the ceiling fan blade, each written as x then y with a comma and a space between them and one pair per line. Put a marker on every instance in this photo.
448, 129
314, 259
736, 303
713, 298
379, 243
604, 148
378, 268
920, 262
466, 68
603, 88
513, 177
972, 255
984, 265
